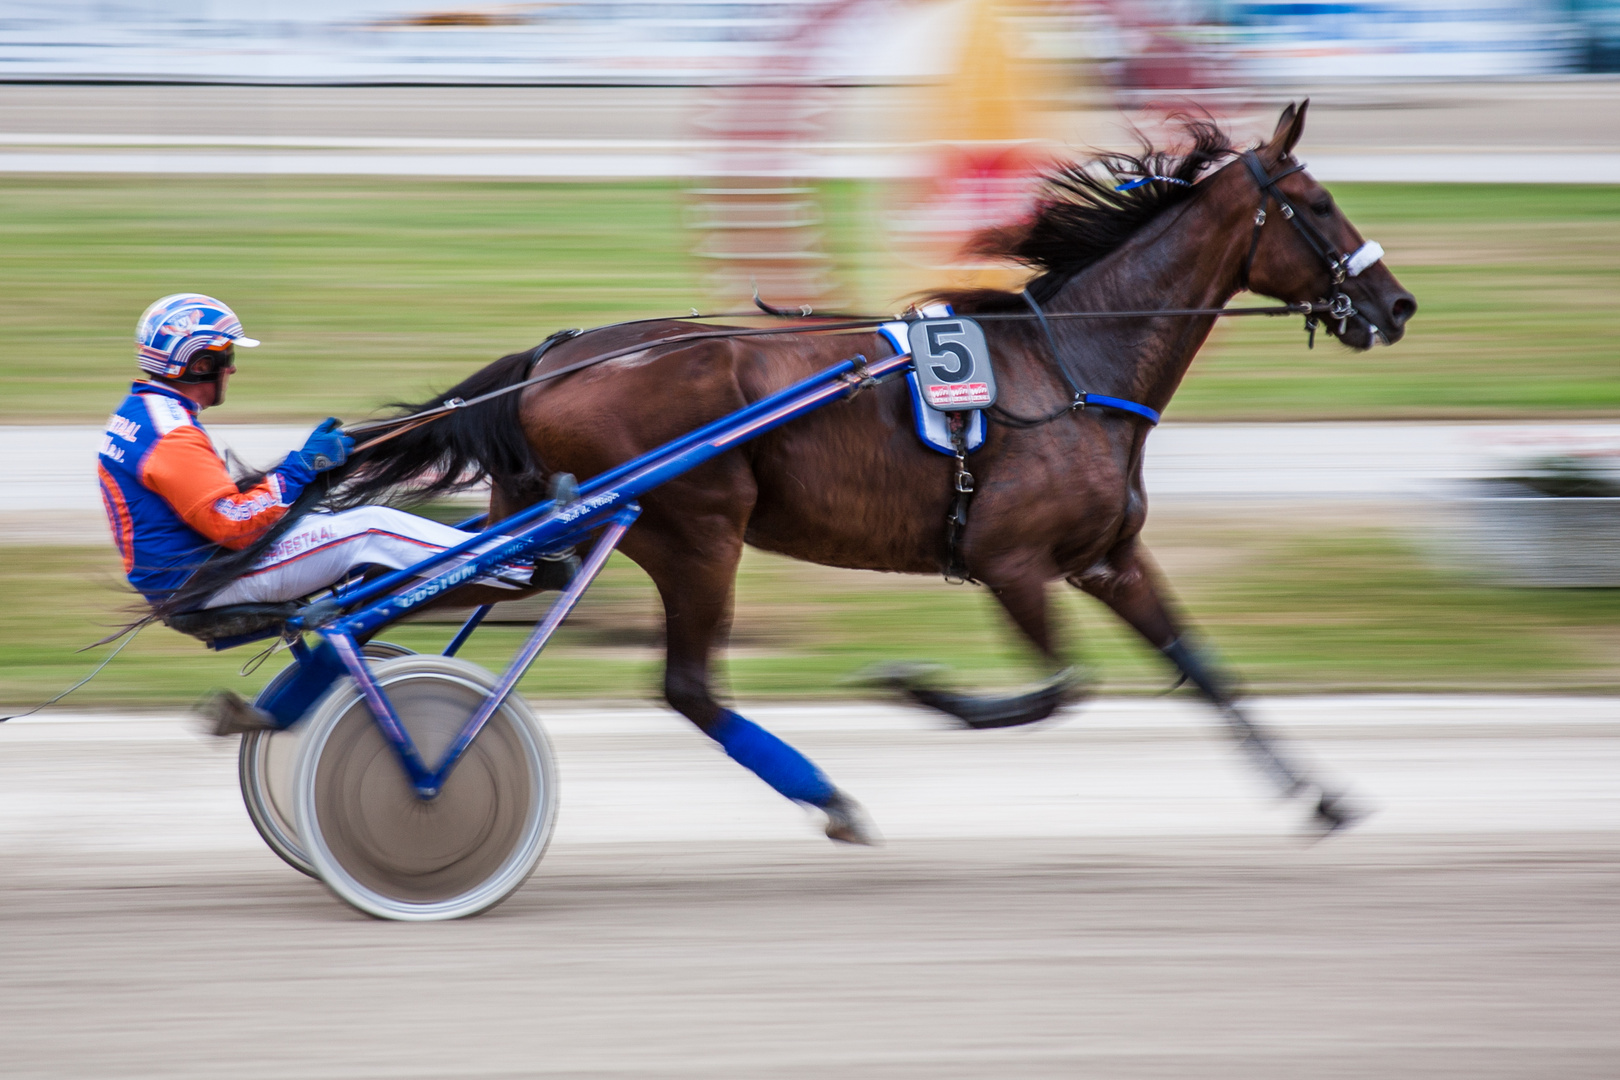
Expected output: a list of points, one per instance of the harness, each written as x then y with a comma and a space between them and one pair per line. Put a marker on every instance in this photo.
1339, 306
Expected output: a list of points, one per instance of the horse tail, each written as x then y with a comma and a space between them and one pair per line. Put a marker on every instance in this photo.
456, 451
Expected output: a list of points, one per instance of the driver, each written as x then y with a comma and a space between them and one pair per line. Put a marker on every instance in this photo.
172, 503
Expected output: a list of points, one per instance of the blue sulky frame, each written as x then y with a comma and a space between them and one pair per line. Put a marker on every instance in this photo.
606, 505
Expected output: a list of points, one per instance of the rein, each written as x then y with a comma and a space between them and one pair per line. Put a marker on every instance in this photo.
399, 425
1338, 307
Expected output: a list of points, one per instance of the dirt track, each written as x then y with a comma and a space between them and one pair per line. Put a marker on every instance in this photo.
961, 959
1111, 896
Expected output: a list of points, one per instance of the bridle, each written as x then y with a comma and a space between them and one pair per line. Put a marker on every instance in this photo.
1339, 267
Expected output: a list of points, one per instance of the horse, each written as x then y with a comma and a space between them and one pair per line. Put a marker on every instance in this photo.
1059, 493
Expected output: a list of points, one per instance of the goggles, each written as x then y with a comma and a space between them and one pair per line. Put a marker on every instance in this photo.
206, 365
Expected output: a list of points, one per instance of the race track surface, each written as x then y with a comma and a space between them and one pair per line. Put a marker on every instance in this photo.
1113, 895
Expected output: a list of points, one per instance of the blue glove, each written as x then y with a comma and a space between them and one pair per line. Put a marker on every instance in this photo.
326, 448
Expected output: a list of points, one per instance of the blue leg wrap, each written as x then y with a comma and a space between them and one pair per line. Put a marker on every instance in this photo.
773, 760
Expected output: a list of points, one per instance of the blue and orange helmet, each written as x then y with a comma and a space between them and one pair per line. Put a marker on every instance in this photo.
177, 327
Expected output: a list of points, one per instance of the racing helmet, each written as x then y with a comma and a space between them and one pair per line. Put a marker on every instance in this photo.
177, 327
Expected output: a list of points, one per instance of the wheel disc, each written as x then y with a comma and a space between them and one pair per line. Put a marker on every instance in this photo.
265, 762
394, 855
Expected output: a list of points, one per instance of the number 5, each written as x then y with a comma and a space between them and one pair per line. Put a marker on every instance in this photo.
938, 349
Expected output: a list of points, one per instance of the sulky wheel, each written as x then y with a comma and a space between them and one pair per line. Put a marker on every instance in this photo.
394, 855
264, 766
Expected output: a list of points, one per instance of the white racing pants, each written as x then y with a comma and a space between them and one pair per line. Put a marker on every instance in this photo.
324, 548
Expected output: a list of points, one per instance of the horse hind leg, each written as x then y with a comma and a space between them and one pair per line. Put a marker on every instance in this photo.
1129, 588
1025, 602
697, 607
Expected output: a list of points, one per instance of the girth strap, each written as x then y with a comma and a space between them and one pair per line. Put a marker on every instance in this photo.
956, 521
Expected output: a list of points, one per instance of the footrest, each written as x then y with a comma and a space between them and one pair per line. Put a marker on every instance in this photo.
231, 621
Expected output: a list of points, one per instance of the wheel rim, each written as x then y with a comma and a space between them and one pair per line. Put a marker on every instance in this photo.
396, 856
266, 761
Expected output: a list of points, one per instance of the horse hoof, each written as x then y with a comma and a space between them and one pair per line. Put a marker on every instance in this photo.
847, 822
1335, 812
1015, 710
227, 713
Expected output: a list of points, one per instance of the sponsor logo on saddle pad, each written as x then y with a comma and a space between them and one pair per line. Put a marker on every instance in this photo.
959, 395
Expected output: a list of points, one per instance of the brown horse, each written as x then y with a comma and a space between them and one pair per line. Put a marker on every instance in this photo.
851, 485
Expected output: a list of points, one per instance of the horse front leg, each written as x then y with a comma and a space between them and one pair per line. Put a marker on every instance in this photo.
1130, 585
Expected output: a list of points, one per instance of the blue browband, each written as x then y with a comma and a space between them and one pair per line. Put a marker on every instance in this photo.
1132, 185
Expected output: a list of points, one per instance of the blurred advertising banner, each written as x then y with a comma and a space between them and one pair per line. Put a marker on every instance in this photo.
1139, 43
669, 41
1300, 40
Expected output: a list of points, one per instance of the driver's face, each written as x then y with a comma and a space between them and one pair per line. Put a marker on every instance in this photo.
222, 361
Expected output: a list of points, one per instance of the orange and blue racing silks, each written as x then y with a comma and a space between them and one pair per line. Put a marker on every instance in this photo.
169, 498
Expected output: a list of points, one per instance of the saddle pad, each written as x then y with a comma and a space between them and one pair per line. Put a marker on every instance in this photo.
931, 424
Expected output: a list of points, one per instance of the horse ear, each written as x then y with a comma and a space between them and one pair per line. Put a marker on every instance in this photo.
1290, 126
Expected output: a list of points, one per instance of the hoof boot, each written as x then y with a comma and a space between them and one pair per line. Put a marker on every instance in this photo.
847, 822
1335, 812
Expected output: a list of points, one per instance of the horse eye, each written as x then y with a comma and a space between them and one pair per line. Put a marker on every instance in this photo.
1323, 207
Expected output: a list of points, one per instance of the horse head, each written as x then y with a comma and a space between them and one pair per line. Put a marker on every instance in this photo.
1301, 247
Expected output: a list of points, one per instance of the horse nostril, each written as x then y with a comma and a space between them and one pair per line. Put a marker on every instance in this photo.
1401, 310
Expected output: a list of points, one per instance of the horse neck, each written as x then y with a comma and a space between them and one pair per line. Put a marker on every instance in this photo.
1188, 257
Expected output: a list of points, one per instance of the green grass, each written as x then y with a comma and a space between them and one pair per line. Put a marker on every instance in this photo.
1291, 609
1516, 289
369, 290
363, 292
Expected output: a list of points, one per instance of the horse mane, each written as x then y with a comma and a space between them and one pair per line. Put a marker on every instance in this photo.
1081, 216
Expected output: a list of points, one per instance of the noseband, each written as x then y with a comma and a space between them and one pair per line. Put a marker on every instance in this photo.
1339, 266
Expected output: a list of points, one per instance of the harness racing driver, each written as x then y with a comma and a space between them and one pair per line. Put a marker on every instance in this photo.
172, 503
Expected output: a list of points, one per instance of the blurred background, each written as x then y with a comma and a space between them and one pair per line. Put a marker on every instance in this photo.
392, 193
1409, 556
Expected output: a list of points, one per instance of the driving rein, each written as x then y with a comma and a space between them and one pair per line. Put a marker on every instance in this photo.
1338, 307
